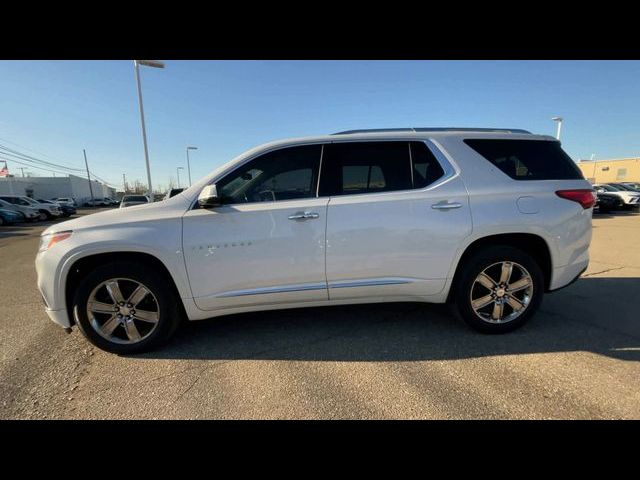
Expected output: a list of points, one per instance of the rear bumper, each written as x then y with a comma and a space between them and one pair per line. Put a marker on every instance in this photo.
565, 276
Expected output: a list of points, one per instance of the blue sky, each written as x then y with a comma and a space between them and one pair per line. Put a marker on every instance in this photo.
57, 108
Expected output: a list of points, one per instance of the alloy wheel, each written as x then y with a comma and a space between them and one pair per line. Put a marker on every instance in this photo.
123, 311
501, 292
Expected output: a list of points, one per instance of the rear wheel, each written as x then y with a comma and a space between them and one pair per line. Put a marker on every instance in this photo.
499, 289
126, 308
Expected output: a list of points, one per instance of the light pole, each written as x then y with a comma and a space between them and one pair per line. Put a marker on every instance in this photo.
188, 165
559, 120
178, 172
154, 64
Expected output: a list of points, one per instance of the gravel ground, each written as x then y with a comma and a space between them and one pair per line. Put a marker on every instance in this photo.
578, 358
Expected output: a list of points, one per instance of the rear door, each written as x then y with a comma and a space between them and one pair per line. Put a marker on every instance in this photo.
396, 217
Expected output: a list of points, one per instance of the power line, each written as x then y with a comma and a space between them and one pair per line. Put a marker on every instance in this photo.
33, 161
33, 166
56, 171
29, 158
34, 151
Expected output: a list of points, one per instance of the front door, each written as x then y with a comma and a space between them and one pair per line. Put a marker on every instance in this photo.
265, 244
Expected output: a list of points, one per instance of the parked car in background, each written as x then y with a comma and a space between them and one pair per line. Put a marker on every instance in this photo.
30, 214
45, 211
630, 199
65, 201
635, 185
606, 202
66, 210
51, 210
9, 217
623, 186
96, 202
110, 201
172, 193
485, 219
129, 200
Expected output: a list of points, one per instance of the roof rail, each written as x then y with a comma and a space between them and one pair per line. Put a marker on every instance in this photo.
434, 129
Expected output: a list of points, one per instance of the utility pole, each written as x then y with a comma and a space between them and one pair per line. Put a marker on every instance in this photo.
88, 177
124, 183
22, 170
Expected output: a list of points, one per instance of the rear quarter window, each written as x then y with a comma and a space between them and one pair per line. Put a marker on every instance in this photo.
527, 159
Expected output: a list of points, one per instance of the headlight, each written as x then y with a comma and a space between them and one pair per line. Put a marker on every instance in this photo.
49, 240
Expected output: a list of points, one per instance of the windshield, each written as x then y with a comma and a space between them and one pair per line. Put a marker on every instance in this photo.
608, 188
30, 200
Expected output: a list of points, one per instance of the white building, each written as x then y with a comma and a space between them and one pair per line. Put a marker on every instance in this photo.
55, 187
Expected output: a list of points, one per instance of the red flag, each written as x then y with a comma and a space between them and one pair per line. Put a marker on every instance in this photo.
4, 171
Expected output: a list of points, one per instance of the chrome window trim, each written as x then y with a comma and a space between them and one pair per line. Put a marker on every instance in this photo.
447, 166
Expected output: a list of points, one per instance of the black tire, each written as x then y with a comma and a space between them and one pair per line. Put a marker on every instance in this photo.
156, 283
474, 266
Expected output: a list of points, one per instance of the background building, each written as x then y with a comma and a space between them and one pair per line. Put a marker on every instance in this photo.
612, 170
55, 187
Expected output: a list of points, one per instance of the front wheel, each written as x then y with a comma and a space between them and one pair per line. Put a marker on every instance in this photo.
126, 308
499, 289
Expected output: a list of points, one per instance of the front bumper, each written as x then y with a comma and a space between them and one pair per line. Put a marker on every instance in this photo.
61, 317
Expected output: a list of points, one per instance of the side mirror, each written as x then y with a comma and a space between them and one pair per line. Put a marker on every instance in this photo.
209, 198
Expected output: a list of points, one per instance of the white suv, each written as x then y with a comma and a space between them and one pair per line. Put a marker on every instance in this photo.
487, 220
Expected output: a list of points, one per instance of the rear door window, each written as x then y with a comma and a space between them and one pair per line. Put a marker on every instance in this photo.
527, 159
369, 167
426, 169
365, 167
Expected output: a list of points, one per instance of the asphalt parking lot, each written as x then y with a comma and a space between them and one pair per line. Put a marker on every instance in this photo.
578, 358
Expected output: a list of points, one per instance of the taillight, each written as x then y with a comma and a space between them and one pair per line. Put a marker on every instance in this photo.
585, 197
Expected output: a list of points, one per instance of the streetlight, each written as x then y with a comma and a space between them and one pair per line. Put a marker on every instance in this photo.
559, 120
188, 165
154, 64
178, 172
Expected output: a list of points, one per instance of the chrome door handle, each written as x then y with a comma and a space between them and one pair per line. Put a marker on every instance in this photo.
446, 205
303, 215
